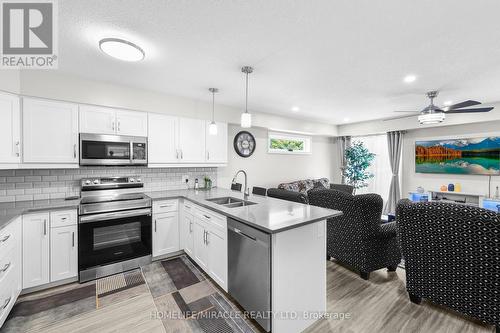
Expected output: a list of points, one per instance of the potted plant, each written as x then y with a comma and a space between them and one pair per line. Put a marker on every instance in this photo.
358, 160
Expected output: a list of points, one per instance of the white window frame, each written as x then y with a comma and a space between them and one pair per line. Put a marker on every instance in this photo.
289, 136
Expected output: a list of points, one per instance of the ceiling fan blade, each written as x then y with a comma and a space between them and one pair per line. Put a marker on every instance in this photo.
463, 105
470, 110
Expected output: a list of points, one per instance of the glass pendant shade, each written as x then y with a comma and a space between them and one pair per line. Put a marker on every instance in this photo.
246, 120
212, 128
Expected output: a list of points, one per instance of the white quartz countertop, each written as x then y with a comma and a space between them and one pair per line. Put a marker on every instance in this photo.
270, 215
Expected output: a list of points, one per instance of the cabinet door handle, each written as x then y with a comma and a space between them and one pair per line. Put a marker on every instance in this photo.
5, 238
206, 216
155, 225
73, 239
74, 150
118, 125
204, 237
45, 227
182, 156
113, 125
207, 238
208, 155
6, 303
6, 267
190, 227
18, 148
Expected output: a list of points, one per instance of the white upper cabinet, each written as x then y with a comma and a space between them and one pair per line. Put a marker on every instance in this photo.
50, 131
102, 120
98, 120
162, 139
132, 123
216, 145
10, 129
191, 140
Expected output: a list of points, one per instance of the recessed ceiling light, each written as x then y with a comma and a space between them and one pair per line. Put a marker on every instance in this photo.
448, 103
121, 49
346, 120
295, 109
409, 78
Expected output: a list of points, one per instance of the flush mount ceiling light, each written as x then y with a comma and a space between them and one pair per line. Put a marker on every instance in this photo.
409, 78
295, 109
346, 120
246, 118
121, 49
212, 128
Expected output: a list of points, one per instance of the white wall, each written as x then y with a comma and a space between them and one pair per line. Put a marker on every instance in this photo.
10, 80
268, 170
54, 85
470, 183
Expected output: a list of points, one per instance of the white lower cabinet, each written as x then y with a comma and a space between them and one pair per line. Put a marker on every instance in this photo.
36, 249
187, 226
165, 233
63, 253
10, 267
50, 249
209, 239
165, 227
200, 249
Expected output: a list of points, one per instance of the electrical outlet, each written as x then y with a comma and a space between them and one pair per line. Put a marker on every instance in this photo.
185, 179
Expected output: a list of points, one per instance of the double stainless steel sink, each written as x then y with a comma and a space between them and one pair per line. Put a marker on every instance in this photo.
230, 202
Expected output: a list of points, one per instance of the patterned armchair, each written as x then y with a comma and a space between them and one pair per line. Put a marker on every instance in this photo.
357, 238
452, 256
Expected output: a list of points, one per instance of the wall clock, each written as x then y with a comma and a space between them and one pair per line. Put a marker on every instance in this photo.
244, 144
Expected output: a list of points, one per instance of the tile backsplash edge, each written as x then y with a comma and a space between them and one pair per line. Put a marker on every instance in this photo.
40, 184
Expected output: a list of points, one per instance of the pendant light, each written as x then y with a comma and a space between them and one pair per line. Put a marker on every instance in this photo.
212, 128
246, 118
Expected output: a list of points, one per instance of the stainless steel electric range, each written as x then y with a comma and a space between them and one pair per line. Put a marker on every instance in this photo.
114, 227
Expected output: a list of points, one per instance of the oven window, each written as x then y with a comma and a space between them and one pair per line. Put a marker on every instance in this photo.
110, 241
116, 235
105, 150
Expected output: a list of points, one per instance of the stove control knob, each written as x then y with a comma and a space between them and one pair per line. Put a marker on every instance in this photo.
138, 180
87, 182
131, 180
96, 181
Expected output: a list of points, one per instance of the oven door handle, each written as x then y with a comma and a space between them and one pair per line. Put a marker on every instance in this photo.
115, 215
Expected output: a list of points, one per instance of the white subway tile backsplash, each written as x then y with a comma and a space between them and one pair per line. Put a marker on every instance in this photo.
21, 185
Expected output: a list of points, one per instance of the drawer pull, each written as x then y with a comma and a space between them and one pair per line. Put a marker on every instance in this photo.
6, 267
206, 216
6, 303
5, 238
165, 206
63, 218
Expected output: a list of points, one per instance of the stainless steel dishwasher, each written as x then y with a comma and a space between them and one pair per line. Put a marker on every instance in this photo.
249, 270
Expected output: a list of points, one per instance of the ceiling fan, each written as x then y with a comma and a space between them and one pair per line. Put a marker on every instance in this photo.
433, 114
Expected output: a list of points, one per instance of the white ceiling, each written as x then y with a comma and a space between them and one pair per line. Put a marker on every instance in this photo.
333, 59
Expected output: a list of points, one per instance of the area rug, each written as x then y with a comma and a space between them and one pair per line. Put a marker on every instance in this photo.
165, 296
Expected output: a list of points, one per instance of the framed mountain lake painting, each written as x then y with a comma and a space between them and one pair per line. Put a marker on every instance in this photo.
471, 156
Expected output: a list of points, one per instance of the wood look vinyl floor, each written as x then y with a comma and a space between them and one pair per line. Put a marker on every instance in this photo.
382, 305
378, 305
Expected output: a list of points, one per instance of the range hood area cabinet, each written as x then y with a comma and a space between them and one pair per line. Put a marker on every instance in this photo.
50, 131
178, 140
103, 120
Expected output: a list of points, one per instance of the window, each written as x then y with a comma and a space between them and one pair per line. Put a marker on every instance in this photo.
285, 143
381, 167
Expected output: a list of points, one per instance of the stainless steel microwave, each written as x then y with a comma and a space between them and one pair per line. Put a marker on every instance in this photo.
113, 150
